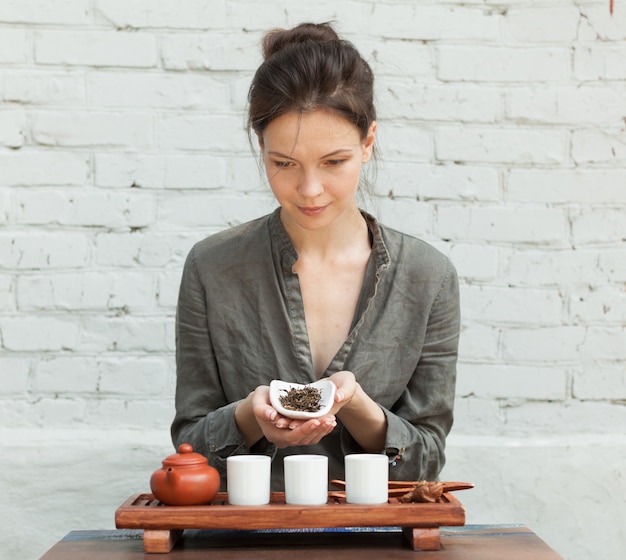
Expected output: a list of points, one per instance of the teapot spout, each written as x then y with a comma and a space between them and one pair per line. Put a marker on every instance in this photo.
173, 476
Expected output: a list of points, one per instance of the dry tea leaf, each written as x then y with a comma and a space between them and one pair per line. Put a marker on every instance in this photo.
306, 399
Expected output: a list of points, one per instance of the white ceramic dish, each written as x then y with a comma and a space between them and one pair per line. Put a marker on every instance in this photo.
279, 388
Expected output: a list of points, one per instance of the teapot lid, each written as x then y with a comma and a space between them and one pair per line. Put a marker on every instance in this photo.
185, 457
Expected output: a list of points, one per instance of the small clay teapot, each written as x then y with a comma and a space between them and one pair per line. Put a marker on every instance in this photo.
186, 479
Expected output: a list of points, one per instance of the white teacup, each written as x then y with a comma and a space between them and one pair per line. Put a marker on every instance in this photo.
367, 478
248, 479
306, 479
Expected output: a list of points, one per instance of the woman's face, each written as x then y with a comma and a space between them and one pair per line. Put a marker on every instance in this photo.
313, 163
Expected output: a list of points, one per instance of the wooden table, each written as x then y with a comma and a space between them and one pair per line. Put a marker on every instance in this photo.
471, 542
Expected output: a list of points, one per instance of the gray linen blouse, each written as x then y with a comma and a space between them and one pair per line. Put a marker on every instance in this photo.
240, 323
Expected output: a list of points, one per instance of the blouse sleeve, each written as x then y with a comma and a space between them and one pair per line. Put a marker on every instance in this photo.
418, 423
204, 417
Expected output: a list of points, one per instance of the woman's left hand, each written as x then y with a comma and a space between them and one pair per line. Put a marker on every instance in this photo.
346, 387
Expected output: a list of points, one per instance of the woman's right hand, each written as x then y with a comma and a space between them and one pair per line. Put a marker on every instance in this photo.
282, 431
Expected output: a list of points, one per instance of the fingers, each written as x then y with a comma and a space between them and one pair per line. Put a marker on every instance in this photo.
312, 432
286, 432
300, 432
346, 385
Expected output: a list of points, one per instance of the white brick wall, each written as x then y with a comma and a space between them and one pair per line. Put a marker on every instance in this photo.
501, 128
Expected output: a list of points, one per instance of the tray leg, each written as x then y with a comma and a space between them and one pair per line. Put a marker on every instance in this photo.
160, 541
423, 538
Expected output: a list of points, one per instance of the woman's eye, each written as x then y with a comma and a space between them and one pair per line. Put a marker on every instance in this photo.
282, 164
335, 162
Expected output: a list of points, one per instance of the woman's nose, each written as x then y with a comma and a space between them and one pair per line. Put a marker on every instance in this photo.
310, 184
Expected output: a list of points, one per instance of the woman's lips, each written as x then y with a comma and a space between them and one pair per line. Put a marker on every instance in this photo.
312, 210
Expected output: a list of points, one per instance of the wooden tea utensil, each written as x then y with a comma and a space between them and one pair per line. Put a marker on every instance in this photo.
401, 487
447, 486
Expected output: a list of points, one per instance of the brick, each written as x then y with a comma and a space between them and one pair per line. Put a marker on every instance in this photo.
217, 51
132, 377
7, 299
401, 99
613, 264
562, 186
402, 142
95, 48
433, 23
444, 182
143, 249
12, 46
574, 417
66, 375
503, 64
351, 16
567, 105
93, 129
59, 412
245, 175
38, 333
597, 24
221, 133
184, 14
253, 16
501, 145
43, 250
598, 305
536, 25
600, 383
29, 168
16, 412
130, 170
129, 292
599, 225
6, 207
501, 381
604, 344
599, 146
534, 267
508, 224
184, 171
93, 208
12, 128
44, 87
133, 413
170, 91
599, 62
512, 306
485, 416
15, 376
546, 344
239, 86
210, 210
412, 217
397, 58
478, 342
125, 334
169, 284
70, 12
475, 261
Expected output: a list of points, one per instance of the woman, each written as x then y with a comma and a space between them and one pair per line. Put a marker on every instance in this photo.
318, 288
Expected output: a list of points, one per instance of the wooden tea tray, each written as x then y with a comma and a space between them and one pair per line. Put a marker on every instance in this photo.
163, 525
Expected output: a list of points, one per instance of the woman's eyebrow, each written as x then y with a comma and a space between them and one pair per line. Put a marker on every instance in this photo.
330, 154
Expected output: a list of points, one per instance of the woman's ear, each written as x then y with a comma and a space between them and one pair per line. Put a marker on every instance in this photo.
368, 145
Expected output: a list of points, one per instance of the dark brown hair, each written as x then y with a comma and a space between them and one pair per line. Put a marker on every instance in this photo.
307, 68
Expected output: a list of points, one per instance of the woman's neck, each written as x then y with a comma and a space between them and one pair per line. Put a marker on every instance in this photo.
343, 237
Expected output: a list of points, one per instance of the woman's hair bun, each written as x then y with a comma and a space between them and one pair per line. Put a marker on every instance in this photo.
278, 39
